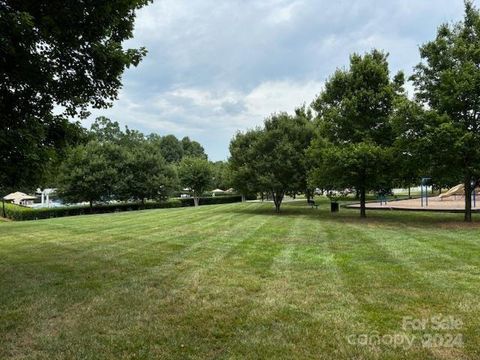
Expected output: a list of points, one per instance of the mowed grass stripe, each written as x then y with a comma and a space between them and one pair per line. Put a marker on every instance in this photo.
232, 281
195, 250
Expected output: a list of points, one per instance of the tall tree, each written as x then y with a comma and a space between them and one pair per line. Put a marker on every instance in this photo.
409, 123
242, 173
196, 174
145, 174
220, 175
354, 114
91, 172
171, 148
103, 129
63, 53
192, 148
272, 159
448, 81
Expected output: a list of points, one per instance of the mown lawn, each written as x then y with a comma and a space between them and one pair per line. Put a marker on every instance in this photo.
237, 281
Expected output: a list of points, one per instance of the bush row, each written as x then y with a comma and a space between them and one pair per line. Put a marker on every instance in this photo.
20, 213
212, 200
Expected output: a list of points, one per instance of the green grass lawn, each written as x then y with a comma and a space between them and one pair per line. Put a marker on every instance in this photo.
237, 281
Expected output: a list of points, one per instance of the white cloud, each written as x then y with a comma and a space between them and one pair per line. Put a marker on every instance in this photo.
215, 67
196, 112
284, 13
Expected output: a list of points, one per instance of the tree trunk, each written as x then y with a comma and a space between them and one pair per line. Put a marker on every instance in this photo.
363, 212
308, 193
468, 199
277, 200
409, 192
91, 207
196, 201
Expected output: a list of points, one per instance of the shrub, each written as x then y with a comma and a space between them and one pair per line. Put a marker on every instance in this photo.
211, 200
20, 213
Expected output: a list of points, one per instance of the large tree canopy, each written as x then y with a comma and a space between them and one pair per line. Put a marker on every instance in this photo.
66, 54
145, 174
242, 173
91, 172
195, 173
448, 81
272, 159
354, 137
192, 148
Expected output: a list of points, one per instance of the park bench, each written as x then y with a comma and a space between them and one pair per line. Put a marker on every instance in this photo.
312, 204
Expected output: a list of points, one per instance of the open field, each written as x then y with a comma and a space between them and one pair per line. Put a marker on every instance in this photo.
237, 281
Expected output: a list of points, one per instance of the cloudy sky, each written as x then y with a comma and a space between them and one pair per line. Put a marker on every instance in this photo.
218, 66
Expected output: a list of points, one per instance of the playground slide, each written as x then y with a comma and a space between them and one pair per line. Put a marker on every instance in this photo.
456, 190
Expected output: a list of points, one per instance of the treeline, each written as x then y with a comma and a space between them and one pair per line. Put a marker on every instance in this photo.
112, 164
363, 132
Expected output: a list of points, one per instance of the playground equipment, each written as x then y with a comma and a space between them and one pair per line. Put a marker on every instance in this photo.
454, 191
459, 190
424, 191
382, 198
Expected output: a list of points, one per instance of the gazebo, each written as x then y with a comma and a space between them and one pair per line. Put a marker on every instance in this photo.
19, 198
217, 192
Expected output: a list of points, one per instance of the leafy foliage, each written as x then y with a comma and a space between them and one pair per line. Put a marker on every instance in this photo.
91, 172
146, 174
192, 148
448, 81
272, 159
355, 134
67, 54
195, 174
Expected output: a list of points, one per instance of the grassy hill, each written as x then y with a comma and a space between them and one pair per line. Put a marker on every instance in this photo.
238, 281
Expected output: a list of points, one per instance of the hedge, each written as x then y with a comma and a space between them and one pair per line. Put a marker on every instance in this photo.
212, 200
19, 213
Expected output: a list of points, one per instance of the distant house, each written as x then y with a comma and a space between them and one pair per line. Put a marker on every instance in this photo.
19, 198
186, 193
217, 192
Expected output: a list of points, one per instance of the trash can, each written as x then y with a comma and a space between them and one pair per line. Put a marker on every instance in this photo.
334, 207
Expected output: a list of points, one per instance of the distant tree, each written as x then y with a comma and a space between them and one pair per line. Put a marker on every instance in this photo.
145, 174
91, 172
272, 159
420, 150
220, 175
354, 115
192, 148
67, 54
241, 171
362, 165
66, 137
29, 151
103, 129
171, 148
196, 174
131, 138
411, 161
448, 81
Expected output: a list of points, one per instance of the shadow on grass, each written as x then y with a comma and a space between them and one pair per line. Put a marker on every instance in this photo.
352, 216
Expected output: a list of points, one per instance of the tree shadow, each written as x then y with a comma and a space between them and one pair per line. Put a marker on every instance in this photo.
385, 217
